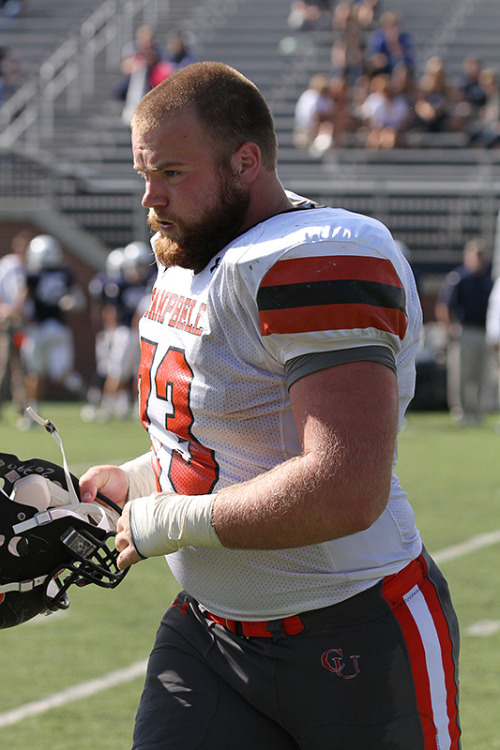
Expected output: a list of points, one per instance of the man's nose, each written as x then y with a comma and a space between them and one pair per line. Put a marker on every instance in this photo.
154, 195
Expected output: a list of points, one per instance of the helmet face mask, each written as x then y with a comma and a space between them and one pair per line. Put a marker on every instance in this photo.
49, 541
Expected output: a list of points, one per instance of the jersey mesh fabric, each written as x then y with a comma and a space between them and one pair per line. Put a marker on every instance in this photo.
214, 399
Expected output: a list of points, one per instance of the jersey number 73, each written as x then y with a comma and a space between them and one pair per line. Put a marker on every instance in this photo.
193, 469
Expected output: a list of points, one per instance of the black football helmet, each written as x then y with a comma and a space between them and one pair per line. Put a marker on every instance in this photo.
49, 539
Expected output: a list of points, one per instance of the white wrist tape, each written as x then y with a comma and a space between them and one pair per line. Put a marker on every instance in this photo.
163, 523
141, 476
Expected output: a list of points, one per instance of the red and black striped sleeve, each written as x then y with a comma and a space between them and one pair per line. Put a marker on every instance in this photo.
339, 292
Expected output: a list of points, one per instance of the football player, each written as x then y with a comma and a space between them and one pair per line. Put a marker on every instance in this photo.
51, 293
278, 359
116, 296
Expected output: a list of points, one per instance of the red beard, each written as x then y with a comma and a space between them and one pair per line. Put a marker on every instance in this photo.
196, 244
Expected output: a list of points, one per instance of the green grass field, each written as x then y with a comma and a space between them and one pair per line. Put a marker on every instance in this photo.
453, 479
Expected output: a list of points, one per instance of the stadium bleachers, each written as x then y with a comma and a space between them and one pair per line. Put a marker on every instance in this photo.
433, 196
41, 28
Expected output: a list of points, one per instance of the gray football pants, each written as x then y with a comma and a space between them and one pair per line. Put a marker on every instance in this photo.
376, 672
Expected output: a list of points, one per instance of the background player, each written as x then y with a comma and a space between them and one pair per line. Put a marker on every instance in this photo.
116, 296
51, 293
12, 275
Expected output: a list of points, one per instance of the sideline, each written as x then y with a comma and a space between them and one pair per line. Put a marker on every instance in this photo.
77, 692
138, 669
465, 548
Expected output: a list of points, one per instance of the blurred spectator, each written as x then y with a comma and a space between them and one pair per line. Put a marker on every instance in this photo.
461, 308
313, 111
484, 131
471, 96
434, 106
12, 274
348, 53
366, 12
344, 120
385, 115
143, 67
11, 8
403, 84
362, 13
134, 54
389, 45
306, 15
50, 294
181, 49
10, 73
406, 109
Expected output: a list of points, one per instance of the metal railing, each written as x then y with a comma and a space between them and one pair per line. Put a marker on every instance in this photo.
70, 70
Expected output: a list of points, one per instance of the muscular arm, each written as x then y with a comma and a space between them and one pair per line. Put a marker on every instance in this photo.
347, 419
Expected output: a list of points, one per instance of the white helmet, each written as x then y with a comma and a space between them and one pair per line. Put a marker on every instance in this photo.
114, 263
137, 261
137, 254
44, 251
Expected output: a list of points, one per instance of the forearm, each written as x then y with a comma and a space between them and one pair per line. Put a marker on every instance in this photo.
302, 502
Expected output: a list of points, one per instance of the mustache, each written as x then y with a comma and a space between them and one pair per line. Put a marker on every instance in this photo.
153, 220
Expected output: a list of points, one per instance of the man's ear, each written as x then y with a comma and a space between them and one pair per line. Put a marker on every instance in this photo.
245, 162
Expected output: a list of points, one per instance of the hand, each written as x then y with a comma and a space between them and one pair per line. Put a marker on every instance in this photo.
108, 479
123, 542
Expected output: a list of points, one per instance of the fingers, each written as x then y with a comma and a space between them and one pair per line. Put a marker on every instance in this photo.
108, 479
128, 557
124, 543
89, 485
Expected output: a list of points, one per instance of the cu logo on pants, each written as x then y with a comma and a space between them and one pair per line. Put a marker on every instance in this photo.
334, 661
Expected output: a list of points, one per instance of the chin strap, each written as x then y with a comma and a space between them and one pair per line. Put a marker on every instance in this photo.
51, 429
22, 586
105, 519
109, 512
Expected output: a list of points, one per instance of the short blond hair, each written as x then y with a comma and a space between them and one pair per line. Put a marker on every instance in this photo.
227, 104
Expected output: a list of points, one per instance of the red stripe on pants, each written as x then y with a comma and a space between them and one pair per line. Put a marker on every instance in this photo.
398, 591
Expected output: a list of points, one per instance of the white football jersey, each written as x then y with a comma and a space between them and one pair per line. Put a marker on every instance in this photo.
214, 398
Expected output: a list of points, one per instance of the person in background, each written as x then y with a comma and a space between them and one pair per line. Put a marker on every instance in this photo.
277, 363
385, 114
461, 307
181, 49
11, 8
314, 112
309, 15
389, 45
363, 13
115, 295
12, 275
471, 96
10, 73
103, 292
143, 66
50, 295
484, 130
